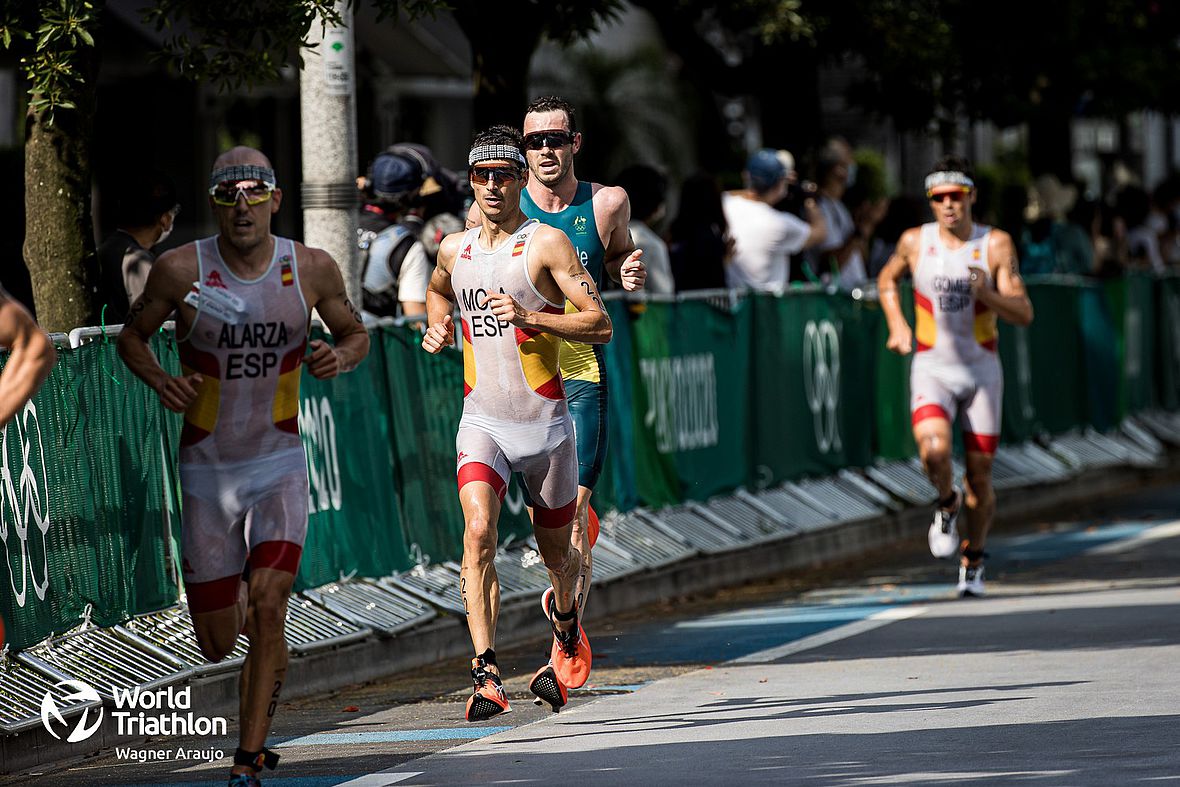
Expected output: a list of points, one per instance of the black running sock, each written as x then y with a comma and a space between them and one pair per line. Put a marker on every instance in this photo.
564, 616
489, 657
947, 501
264, 758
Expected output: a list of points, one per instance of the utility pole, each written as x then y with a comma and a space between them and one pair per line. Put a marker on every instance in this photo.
327, 109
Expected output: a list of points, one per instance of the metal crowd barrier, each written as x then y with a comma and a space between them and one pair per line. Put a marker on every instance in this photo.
159, 649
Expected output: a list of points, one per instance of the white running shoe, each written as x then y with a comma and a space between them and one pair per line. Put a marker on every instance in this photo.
943, 535
971, 581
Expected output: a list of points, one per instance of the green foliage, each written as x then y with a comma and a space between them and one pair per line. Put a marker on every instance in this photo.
931, 60
234, 44
870, 173
567, 21
57, 32
248, 42
230, 44
629, 107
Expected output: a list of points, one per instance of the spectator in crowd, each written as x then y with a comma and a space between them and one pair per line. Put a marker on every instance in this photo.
145, 212
843, 252
646, 187
1165, 218
1108, 236
1050, 242
798, 192
764, 237
1133, 206
699, 244
394, 265
903, 212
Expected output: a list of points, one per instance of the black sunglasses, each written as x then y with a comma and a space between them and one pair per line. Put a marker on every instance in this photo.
548, 139
481, 175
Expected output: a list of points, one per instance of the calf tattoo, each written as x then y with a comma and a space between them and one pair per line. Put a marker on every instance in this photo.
274, 697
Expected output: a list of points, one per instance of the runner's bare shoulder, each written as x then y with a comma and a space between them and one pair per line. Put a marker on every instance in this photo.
608, 199
448, 249
318, 272
174, 271
907, 244
551, 242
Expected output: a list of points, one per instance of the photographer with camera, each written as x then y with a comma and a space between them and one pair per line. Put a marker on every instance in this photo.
764, 238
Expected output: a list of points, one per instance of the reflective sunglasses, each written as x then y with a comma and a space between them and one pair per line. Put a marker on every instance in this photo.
227, 193
548, 139
481, 175
955, 196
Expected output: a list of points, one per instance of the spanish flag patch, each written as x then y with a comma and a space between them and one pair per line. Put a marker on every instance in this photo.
518, 249
288, 274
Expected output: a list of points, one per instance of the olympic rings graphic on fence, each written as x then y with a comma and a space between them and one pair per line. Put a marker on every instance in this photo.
821, 382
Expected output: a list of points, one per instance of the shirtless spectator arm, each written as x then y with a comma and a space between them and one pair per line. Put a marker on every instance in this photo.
339, 315
170, 278
30, 357
621, 258
901, 338
590, 324
440, 297
1009, 300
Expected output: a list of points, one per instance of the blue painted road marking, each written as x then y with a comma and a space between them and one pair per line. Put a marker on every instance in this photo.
392, 736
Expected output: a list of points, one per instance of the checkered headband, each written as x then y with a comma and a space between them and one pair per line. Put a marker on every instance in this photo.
495, 153
242, 172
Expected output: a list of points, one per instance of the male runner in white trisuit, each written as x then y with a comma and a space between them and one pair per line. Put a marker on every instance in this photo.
511, 278
965, 276
596, 220
243, 301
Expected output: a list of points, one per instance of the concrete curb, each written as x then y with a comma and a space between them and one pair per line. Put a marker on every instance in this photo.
446, 636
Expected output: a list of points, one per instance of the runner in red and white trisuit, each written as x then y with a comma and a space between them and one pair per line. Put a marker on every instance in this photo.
511, 277
242, 301
965, 276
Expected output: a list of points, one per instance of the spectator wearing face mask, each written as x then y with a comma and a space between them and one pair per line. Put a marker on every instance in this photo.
843, 253
145, 211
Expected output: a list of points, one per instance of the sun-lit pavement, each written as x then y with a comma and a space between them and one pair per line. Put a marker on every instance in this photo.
1065, 675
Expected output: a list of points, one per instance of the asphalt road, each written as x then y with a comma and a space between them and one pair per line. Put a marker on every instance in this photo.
873, 673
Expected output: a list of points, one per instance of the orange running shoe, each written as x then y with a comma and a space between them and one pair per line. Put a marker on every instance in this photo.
549, 688
489, 698
570, 654
593, 528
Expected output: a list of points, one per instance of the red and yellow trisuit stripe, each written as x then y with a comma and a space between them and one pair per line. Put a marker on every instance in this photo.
948, 318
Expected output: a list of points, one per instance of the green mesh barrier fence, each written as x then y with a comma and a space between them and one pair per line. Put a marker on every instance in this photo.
355, 525
815, 358
1131, 300
426, 402
83, 501
704, 397
687, 399
1167, 359
892, 433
